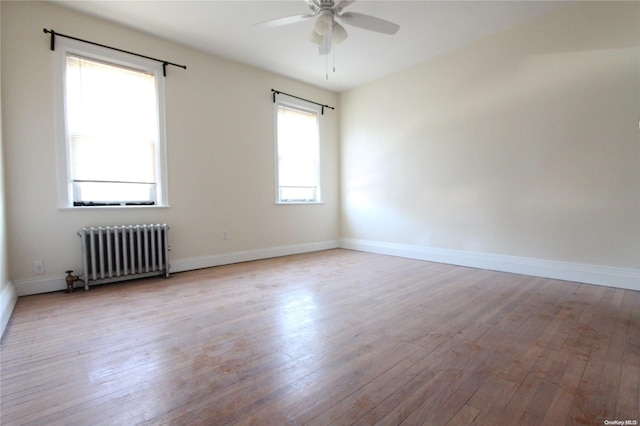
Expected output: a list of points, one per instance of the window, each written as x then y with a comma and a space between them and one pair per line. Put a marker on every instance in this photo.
111, 146
298, 151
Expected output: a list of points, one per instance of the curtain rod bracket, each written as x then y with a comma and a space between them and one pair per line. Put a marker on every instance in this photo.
53, 38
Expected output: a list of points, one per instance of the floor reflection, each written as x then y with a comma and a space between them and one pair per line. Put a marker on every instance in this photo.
297, 323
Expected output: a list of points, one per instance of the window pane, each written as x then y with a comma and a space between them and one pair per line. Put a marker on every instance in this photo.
298, 154
297, 193
107, 192
103, 159
112, 123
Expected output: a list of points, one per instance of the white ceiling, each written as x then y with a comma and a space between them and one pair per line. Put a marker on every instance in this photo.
225, 28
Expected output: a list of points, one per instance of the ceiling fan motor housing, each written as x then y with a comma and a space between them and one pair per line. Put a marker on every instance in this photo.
321, 4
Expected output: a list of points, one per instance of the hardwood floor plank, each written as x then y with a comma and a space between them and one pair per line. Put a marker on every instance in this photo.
465, 416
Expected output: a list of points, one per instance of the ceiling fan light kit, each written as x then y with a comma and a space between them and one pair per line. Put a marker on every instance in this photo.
324, 22
316, 38
339, 33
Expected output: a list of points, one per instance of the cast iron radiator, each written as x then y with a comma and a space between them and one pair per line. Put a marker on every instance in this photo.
117, 253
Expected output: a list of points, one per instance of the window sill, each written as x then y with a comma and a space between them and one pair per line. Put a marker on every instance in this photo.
288, 203
82, 208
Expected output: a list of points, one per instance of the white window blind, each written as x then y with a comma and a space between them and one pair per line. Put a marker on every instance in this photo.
298, 154
113, 131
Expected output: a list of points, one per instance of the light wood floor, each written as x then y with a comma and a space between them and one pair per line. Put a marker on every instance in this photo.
335, 337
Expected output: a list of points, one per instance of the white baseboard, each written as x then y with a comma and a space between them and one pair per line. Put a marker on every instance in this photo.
189, 264
590, 274
57, 283
8, 300
40, 285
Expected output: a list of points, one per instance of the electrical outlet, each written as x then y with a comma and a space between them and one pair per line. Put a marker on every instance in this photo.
225, 235
38, 267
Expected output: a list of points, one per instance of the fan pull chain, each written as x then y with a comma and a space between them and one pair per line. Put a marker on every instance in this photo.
334, 58
326, 58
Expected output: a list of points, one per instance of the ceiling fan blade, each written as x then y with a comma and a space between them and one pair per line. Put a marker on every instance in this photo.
278, 22
325, 47
369, 22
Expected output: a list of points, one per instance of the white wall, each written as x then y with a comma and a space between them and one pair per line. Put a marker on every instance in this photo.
219, 121
519, 152
8, 295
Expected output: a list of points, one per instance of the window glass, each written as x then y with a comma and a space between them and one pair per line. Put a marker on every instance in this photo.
113, 151
298, 143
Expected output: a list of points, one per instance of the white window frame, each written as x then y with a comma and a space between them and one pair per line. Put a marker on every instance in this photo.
295, 103
66, 46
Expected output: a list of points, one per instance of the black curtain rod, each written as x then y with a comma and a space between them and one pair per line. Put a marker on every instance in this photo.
277, 92
164, 63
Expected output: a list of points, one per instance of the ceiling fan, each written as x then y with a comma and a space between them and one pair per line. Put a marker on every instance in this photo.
326, 30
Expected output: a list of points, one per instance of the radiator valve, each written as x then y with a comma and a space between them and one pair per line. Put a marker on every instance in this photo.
70, 278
